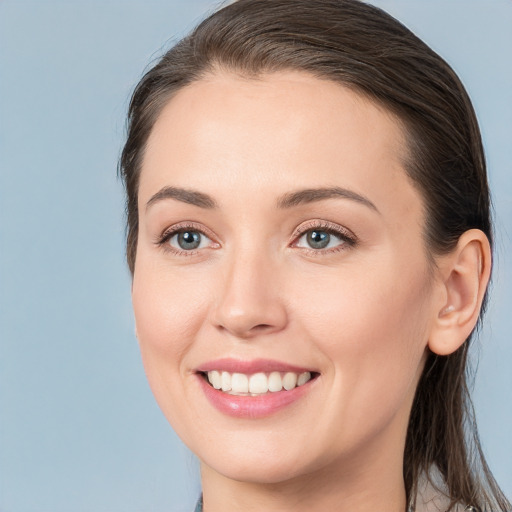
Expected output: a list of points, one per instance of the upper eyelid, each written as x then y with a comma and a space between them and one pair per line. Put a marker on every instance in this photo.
184, 226
322, 225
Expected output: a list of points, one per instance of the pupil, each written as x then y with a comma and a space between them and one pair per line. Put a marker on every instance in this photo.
318, 239
189, 240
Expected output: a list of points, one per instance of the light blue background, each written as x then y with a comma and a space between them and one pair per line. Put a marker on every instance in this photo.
79, 428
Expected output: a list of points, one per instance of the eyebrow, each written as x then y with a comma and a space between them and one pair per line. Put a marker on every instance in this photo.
289, 200
311, 195
185, 196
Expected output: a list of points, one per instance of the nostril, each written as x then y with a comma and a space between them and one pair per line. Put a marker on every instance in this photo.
261, 327
244, 328
245, 333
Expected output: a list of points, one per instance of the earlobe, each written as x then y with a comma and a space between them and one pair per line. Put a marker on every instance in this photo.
465, 276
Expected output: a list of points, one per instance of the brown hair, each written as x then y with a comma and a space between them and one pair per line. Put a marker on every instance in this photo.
364, 48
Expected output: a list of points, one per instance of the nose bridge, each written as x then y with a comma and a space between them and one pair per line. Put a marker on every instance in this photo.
249, 301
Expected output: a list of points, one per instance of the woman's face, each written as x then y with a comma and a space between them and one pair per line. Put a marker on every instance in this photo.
280, 239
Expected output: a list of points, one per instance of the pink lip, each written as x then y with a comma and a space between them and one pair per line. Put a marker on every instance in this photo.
251, 406
249, 367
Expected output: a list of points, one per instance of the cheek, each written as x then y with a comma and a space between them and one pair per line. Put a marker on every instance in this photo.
380, 307
167, 307
169, 311
373, 328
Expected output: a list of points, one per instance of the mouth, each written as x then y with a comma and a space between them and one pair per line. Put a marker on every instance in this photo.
254, 389
256, 384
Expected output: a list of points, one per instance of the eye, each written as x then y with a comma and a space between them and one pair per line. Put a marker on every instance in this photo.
318, 239
323, 237
188, 240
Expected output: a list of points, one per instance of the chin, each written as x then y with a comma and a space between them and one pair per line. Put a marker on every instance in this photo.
259, 462
258, 471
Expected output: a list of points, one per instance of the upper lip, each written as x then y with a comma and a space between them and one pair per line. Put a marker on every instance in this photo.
250, 367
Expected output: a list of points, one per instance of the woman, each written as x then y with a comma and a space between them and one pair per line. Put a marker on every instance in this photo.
310, 243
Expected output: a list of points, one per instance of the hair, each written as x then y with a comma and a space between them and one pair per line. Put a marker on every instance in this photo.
365, 49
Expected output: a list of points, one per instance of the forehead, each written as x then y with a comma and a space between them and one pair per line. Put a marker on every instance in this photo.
272, 133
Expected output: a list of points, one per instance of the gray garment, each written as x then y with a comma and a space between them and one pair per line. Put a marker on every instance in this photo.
432, 505
434, 497
199, 504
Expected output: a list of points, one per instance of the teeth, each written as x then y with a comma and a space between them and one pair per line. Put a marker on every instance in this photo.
289, 381
239, 383
225, 381
303, 378
215, 379
258, 383
275, 383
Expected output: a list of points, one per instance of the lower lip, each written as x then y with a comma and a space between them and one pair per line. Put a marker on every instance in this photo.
252, 406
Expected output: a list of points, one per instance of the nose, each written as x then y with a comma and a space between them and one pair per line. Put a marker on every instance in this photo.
250, 301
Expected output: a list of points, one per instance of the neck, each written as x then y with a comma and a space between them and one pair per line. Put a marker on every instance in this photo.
376, 485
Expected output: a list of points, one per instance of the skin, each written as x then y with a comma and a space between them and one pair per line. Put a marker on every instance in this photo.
359, 313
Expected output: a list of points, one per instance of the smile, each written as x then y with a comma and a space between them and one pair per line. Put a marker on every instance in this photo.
257, 384
254, 389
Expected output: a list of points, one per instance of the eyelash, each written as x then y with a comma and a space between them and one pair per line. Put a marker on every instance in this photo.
163, 240
346, 236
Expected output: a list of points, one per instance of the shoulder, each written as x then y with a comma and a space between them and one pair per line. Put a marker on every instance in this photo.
432, 496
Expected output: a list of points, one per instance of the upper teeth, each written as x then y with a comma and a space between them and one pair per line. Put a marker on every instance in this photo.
257, 383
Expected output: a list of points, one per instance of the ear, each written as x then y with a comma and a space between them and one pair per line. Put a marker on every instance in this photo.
465, 274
